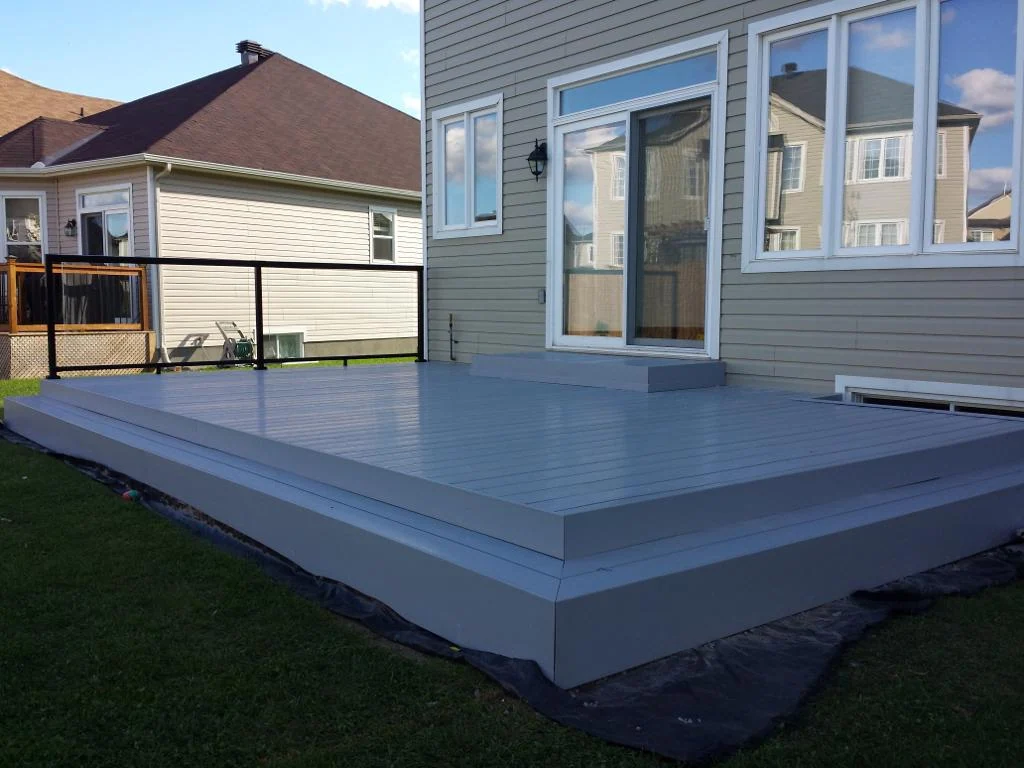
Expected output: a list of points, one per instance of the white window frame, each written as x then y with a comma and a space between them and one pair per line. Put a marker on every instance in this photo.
854, 226
802, 146
941, 153
466, 111
981, 232
939, 231
716, 42
619, 177
393, 213
105, 209
777, 232
276, 333
835, 16
22, 195
618, 258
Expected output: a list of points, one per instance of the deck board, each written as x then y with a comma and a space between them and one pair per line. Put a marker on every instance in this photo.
557, 450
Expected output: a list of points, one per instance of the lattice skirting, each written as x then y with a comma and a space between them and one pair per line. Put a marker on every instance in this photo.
23, 355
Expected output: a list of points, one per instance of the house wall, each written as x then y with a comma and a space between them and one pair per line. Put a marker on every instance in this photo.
783, 329
209, 216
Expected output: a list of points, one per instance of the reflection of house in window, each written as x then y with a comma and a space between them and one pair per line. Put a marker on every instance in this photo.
618, 176
990, 221
877, 161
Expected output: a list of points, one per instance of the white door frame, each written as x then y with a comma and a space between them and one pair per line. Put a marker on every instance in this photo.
716, 90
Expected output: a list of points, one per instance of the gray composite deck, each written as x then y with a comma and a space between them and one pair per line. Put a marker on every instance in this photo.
551, 467
530, 518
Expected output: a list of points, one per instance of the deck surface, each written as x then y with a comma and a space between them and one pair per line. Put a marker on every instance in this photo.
558, 449
556, 457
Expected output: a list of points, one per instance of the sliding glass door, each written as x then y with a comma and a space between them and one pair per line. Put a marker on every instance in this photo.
632, 227
669, 254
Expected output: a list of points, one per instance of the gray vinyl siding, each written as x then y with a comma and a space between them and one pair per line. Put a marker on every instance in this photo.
793, 329
210, 216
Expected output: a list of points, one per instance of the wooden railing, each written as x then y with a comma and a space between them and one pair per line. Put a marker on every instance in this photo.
88, 297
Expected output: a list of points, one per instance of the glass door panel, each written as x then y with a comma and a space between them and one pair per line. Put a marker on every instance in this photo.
593, 199
669, 269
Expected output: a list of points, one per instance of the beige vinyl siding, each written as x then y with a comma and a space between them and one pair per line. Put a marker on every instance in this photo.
208, 216
61, 203
67, 188
784, 330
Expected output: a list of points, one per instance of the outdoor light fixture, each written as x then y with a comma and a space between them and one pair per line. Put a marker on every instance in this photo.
71, 228
538, 159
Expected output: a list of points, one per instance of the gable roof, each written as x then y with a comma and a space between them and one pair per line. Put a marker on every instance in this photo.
22, 100
273, 115
874, 98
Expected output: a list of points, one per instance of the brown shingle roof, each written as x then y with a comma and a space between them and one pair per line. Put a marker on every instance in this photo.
275, 115
21, 101
41, 138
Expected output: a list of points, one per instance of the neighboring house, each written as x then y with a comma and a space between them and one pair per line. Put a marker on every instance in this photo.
812, 223
21, 101
265, 160
991, 221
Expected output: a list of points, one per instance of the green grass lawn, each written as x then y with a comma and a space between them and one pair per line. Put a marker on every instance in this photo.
126, 641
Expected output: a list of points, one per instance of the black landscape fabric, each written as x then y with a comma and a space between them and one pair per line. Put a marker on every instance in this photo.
693, 706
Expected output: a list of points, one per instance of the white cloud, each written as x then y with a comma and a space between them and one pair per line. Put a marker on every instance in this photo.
948, 15
411, 104
410, 56
405, 6
988, 92
882, 38
987, 182
581, 214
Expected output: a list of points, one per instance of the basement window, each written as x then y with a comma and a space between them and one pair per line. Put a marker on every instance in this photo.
932, 395
283, 345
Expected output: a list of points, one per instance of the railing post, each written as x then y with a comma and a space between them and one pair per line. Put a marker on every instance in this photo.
258, 279
12, 296
51, 318
421, 342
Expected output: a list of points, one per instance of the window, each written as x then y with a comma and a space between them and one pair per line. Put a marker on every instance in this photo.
981, 236
636, 168
618, 249
284, 345
783, 240
792, 168
382, 234
642, 82
24, 229
467, 168
940, 157
913, 108
872, 234
618, 176
105, 221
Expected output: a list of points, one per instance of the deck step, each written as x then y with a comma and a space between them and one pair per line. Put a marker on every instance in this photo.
644, 601
639, 374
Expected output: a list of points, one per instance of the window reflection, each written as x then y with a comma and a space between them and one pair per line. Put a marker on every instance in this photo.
594, 222
642, 82
796, 142
977, 65
879, 130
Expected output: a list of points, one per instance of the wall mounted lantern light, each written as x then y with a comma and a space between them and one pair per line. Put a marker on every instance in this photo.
71, 228
538, 159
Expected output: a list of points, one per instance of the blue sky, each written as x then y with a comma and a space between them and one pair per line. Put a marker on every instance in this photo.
122, 49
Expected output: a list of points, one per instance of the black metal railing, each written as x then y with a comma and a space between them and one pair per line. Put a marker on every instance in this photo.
257, 267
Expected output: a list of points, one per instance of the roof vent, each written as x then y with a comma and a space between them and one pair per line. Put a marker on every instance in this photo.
251, 51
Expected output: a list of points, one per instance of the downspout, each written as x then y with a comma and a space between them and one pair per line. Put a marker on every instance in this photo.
157, 309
